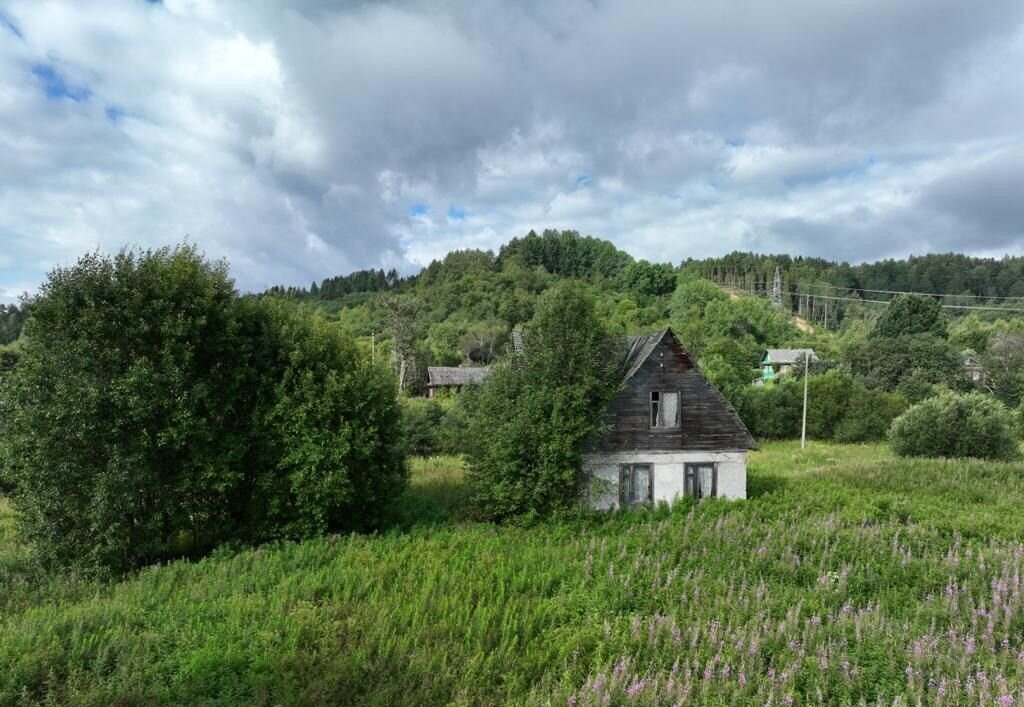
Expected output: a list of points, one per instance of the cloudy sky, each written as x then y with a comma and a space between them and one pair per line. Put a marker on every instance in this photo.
330, 136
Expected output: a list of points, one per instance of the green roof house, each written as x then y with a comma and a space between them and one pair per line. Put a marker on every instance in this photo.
780, 362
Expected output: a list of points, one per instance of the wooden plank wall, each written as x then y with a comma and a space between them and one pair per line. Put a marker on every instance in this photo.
707, 422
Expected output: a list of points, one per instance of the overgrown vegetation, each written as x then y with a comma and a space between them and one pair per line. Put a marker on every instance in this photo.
956, 426
849, 576
154, 413
526, 424
839, 408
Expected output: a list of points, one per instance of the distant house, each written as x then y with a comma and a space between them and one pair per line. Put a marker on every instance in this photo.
453, 377
780, 362
668, 434
974, 371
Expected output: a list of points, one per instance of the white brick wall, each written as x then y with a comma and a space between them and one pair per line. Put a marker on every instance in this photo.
668, 470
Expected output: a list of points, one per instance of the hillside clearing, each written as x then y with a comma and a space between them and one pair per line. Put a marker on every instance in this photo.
847, 576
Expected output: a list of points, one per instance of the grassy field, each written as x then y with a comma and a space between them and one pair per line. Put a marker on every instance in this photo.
848, 577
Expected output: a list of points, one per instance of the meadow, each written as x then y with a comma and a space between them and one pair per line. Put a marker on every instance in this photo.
848, 577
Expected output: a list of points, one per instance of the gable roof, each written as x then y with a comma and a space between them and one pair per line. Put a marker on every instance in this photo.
789, 356
440, 376
730, 431
638, 350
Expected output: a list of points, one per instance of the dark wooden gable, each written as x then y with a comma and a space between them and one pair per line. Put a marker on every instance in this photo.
659, 362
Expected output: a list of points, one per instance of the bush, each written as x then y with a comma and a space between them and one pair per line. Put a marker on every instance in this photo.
957, 426
869, 414
838, 408
155, 413
772, 411
421, 424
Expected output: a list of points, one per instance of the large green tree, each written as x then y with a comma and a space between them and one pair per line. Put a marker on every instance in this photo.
154, 412
527, 423
908, 315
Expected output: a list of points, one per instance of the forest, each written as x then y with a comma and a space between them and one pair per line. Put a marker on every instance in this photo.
461, 309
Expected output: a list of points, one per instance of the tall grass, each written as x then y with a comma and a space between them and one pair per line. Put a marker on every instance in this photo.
848, 577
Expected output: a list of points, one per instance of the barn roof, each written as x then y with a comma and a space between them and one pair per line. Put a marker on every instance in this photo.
441, 376
790, 356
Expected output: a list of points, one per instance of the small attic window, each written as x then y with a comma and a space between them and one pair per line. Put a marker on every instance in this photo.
664, 409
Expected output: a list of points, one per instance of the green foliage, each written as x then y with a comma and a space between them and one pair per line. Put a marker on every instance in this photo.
956, 426
649, 279
567, 254
10, 354
687, 307
845, 568
910, 364
730, 363
838, 408
12, 319
771, 411
154, 413
907, 315
749, 316
433, 426
527, 422
868, 415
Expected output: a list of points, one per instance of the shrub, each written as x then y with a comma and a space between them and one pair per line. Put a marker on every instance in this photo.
955, 425
154, 413
421, 423
868, 415
839, 408
772, 411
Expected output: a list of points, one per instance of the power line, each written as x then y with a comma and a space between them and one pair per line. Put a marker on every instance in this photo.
814, 295
882, 301
906, 292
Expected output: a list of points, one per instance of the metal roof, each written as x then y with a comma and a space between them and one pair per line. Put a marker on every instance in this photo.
789, 356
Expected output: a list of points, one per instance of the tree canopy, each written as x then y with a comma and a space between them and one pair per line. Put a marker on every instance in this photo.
154, 413
526, 424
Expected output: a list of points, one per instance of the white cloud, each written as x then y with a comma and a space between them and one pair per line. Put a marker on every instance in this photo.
294, 140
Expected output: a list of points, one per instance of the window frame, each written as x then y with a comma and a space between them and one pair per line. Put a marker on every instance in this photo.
627, 482
652, 401
690, 470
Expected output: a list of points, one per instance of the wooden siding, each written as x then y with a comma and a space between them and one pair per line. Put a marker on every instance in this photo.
707, 421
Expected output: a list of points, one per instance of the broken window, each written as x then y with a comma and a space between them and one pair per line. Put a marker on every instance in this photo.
636, 484
701, 480
664, 409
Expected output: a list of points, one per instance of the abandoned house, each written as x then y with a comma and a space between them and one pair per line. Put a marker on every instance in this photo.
453, 377
669, 433
974, 371
780, 362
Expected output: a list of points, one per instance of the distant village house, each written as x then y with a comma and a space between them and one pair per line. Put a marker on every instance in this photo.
454, 377
780, 362
668, 434
974, 371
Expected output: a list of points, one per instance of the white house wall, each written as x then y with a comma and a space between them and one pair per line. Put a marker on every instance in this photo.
668, 469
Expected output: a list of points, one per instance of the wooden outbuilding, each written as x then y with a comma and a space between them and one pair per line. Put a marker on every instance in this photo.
454, 377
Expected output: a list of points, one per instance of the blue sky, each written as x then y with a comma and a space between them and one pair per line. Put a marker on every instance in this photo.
307, 139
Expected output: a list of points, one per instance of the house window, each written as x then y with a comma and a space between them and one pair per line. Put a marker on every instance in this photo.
975, 375
701, 480
664, 410
636, 484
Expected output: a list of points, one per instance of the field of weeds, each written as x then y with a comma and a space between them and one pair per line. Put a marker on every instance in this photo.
848, 577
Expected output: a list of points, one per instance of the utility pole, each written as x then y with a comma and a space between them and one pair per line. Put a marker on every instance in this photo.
373, 347
777, 289
803, 429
